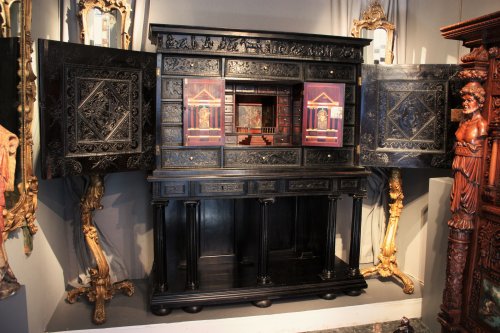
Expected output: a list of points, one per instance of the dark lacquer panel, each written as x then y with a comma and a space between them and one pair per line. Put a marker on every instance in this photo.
96, 109
405, 115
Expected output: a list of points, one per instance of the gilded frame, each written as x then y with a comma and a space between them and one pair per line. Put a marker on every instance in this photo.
22, 213
374, 18
5, 26
106, 6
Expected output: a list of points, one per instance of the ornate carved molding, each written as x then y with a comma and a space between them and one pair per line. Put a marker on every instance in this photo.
106, 6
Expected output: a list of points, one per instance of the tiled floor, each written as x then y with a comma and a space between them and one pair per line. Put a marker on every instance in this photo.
387, 327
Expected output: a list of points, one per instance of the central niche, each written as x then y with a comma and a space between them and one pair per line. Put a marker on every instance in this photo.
258, 115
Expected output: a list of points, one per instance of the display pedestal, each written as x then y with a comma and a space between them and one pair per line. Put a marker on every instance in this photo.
17, 321
437, 240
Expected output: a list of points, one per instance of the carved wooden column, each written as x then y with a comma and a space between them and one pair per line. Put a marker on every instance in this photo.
329, 265
160, 255
263, 277
357, 202
192, 250
472, 226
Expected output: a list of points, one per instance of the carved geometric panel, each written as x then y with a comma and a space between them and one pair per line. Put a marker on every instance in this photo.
97, 109
405, 115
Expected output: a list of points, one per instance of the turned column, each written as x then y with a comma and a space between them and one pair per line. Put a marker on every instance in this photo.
329, 264
192, 250
354, 250
160, 255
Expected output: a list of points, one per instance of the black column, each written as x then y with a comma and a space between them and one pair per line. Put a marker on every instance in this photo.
357, 201
329, 264
160, 249
263, 277
192, 241
160, 284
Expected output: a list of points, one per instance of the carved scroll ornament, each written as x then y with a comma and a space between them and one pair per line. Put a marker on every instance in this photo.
106, 6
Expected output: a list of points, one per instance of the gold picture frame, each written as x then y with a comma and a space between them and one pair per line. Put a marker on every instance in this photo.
374, 18
121, 7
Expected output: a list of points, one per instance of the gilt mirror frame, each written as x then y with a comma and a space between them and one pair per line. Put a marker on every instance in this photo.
374, 18
22, 213
5, 16
106, 6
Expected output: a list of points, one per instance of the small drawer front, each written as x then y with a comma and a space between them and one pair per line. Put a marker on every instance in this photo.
263, 69
220, 188
260, 158
330, 72
171, 89
350, 94
264, 186
174, 189
171, 135
171, 113
325, 157
309, 185
191, 66
349, 184
190, 158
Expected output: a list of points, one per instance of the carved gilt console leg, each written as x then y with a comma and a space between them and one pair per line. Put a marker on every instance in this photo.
388, 265
100, 289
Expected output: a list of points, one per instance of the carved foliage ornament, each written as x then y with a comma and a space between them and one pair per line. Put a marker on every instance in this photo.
22, 214
6, 17
374, 18
106, 6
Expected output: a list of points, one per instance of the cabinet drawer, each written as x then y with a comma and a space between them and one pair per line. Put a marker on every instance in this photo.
171, 89
325, 157
220, 188
190, 158
309, 185
191, 66
171, 135
171, 113
174, 189
261, 157
330, 72
263, 69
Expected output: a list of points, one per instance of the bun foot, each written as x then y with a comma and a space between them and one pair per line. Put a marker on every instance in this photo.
160, 310
263, 304
353, 292
193, 308
328, 296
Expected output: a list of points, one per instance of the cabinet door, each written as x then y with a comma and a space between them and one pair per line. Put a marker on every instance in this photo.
204, 112
322, 121
97, 109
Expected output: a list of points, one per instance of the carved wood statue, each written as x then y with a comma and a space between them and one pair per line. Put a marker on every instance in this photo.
8, 147
468, 157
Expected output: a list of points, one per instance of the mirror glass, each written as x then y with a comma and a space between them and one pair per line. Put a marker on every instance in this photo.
104, 28
15, 19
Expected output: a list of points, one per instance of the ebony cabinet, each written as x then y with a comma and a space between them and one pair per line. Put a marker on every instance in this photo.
252, 217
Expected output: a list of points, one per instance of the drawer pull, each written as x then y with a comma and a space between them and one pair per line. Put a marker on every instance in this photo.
191, 158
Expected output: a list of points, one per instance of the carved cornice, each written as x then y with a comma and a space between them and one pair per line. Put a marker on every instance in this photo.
212, 41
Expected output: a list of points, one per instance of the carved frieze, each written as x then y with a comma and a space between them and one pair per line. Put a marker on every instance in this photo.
263, 69
222, 187
257, 46
252, 158
191, 66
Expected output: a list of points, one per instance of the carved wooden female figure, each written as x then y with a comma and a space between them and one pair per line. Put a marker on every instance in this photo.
468, 157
